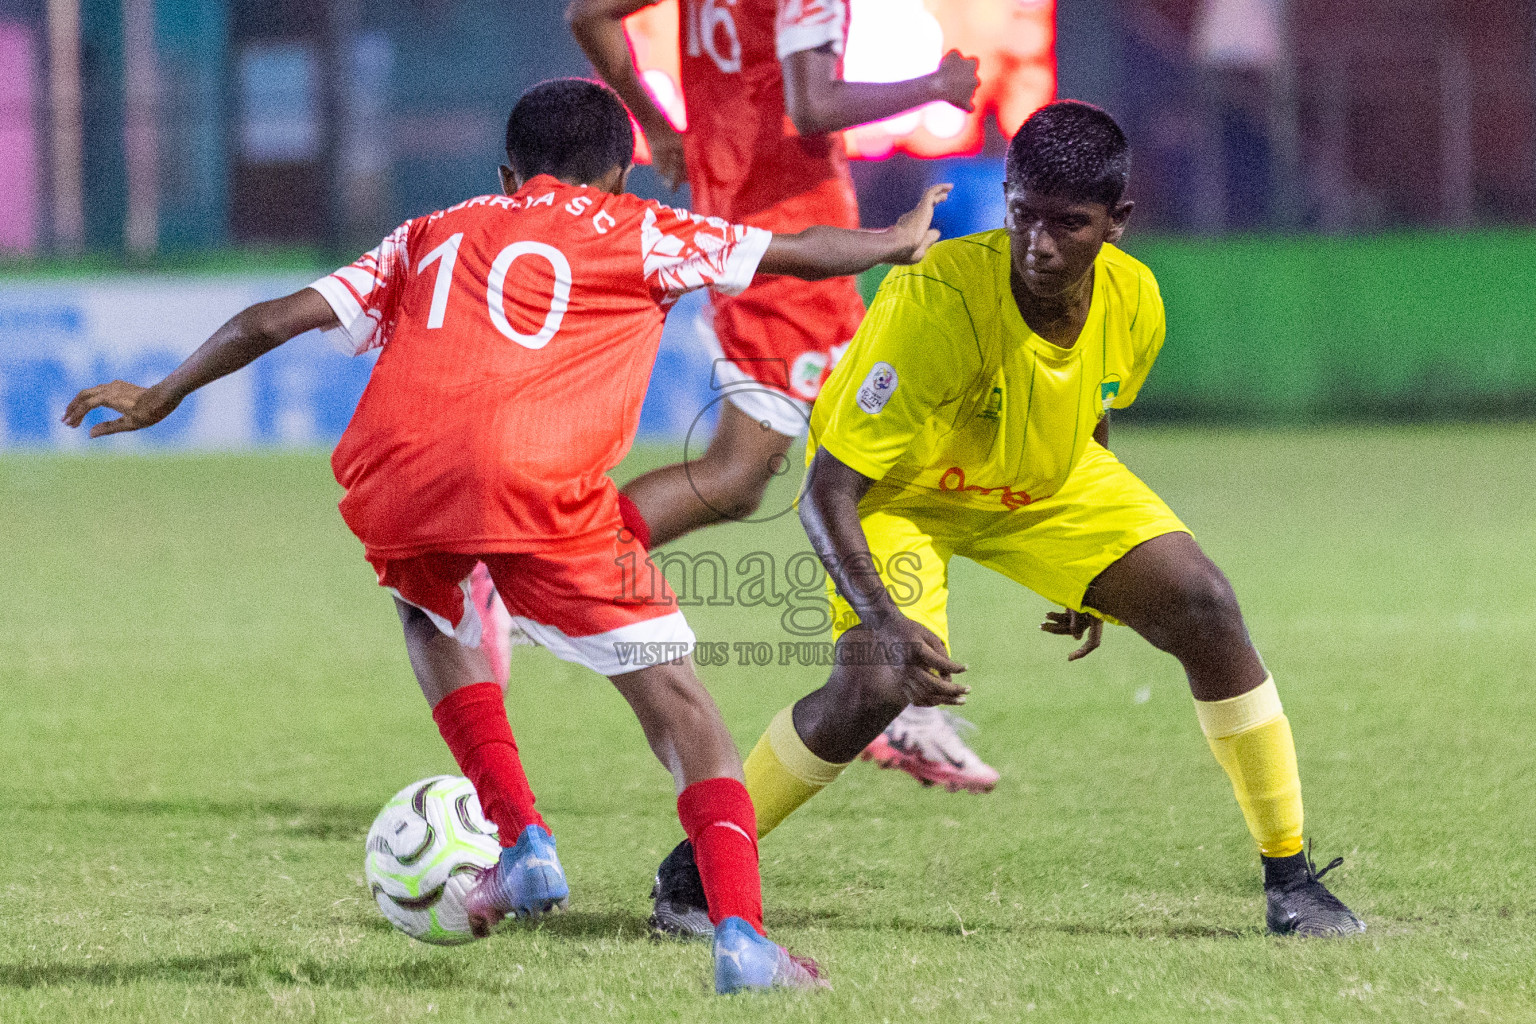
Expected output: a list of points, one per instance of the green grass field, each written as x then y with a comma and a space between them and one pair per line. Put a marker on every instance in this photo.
206, 700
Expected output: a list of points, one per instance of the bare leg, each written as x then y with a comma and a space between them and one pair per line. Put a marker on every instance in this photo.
726, 483
856, 704
440, 662
1166, 589
475, 727
1173, 595
681, 723
688, 735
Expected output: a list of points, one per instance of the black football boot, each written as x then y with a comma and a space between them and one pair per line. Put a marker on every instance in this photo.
680, 910
1297, 902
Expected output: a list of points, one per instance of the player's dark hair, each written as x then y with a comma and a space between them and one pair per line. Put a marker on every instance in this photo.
1071, 149
573, 128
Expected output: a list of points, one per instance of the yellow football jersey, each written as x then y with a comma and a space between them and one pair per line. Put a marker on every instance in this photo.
946, 389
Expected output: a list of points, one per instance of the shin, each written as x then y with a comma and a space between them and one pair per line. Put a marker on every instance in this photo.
688, 735
471, 714
807, 746
1174, 596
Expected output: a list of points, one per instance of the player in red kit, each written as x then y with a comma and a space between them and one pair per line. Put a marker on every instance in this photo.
762, 82
516, 335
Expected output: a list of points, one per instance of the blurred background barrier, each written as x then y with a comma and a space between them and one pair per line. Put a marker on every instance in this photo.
1297, 329
58, 336
1261, 330
1337, 195
1267, 329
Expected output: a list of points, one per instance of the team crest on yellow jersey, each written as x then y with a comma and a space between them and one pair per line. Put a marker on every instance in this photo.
994, 405
1109, 390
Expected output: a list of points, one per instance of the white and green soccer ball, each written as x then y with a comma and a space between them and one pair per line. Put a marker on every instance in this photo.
426, 850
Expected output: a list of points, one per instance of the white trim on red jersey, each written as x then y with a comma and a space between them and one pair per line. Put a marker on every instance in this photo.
810, 25
347, 290
725, 261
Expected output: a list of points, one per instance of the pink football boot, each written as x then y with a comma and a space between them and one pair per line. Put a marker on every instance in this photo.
498, 634
923, 743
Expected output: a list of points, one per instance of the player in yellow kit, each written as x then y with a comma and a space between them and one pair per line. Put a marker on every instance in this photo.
970, 417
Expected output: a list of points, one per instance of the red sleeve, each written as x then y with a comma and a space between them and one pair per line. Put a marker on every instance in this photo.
809, 25
364, 295
684, 251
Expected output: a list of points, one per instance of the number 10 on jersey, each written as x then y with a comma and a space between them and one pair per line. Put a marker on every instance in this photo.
446, 256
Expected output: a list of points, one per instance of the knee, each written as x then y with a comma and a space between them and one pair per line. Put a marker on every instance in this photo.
743, 502
1200, 608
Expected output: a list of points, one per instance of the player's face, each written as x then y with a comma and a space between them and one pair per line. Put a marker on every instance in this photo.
1055, 240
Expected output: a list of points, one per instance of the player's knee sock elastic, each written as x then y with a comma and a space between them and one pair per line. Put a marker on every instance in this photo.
634, 522
782, 773
1251, 738
473, 721
718, 817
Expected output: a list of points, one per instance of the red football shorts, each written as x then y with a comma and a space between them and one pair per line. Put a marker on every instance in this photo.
775, 342
604, 606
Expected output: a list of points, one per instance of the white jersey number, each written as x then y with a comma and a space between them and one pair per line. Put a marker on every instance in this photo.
709, 25
447, 255
559, 299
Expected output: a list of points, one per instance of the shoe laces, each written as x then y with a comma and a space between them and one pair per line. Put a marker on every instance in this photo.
1310, 884
1314, 875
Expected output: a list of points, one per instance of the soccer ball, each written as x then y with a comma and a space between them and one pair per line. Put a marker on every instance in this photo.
426, 850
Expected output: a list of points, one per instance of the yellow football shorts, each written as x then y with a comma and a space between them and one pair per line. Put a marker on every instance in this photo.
1056, 546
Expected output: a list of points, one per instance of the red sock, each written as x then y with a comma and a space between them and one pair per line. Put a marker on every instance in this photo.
717, 814
634, 522
473, 721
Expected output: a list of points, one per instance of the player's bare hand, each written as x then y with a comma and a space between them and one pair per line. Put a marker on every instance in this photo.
1075, 624
924, 670
141, 407
915, 231
956, 80
667, 155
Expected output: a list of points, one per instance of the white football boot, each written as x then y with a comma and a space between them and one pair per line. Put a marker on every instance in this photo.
924, 743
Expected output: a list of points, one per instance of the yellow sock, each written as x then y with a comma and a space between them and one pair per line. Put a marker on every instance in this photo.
782, 773
1251, 738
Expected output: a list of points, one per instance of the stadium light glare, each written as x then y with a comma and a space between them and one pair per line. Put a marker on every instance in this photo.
892, 40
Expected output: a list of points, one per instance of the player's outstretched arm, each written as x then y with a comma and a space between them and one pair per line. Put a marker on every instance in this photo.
598, 26
819, 101
248, 334
829, 511
820, 251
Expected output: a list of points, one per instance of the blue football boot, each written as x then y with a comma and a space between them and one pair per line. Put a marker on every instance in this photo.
527, 881
747, 960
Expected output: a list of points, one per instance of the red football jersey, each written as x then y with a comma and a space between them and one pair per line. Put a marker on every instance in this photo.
746, 162
518, 336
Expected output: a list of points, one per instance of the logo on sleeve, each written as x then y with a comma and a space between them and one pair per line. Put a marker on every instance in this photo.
805, 377
1109, 390
877, 388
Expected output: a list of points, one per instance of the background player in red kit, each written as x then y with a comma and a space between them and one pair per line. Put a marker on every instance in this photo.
517, 334
762, 82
